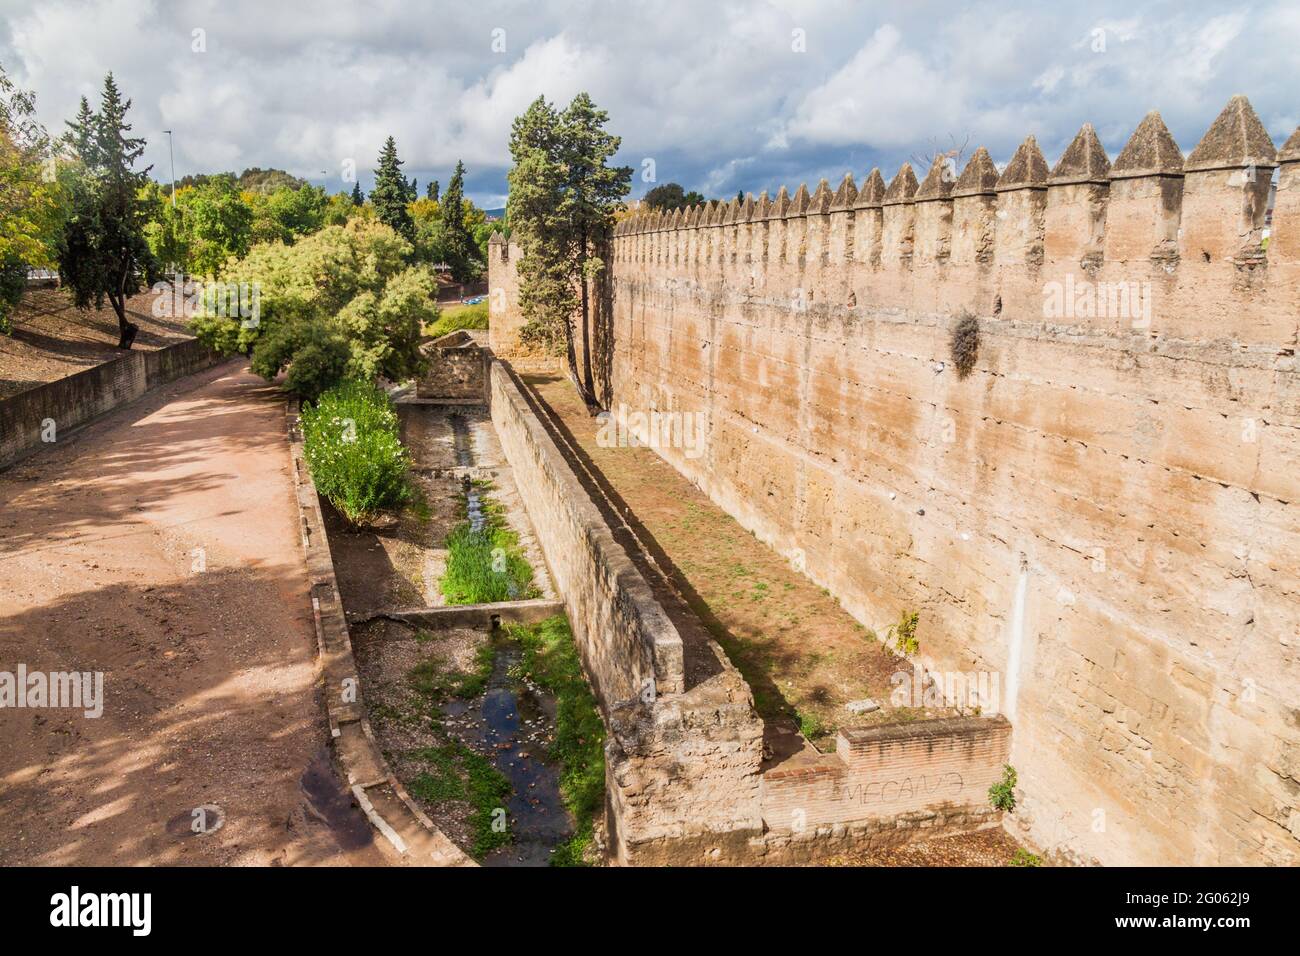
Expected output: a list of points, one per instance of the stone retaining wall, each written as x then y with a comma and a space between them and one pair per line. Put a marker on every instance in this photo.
26, 419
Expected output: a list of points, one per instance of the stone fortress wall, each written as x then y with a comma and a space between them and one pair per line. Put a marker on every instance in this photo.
1104, 511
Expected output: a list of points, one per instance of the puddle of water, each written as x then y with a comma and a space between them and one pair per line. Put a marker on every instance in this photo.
332, 804
512, 726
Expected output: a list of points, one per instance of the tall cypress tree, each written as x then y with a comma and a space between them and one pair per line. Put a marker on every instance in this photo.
358, 197
432, 191
103, 252
563, 195
391, 192
459, 241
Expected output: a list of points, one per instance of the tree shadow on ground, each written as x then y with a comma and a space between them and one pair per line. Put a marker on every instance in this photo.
206, 703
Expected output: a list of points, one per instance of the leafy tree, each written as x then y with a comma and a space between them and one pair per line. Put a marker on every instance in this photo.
30, 197
671, 196
414, 191
218, 225
358, 197
563, 196
103, 252
391, 195
340, 302
432, 192
285, 214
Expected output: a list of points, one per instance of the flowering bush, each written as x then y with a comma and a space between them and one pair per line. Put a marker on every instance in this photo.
352, 447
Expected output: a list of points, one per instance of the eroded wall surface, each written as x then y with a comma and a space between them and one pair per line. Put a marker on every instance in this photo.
1103, 512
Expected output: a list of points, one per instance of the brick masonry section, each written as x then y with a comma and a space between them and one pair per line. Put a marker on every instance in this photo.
885, 771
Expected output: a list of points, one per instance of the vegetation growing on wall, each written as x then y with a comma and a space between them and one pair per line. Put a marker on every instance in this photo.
1002, 795
965, 344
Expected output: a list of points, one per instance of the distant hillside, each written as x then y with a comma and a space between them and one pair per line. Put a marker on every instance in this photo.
255, 180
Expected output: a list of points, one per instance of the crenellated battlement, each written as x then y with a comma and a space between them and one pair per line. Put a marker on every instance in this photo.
987, 242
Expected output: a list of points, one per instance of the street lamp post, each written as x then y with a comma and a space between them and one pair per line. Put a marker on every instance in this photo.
171, 154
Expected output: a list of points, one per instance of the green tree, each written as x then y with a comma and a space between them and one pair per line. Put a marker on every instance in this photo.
31, 196
390, 194
671, 196
461, 250
563, 195
358, 197
103, 252
432, 191
219, 225
340, 302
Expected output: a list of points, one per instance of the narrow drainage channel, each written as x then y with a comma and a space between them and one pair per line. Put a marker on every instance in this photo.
514, 723
513, 727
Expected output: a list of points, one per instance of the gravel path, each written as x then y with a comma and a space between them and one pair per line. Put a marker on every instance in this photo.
160, 547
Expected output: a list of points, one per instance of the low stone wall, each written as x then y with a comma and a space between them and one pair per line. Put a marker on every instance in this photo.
390, 809
31, 418
682, 763
889, 770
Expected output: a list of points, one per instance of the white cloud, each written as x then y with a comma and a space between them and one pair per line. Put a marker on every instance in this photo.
713, 92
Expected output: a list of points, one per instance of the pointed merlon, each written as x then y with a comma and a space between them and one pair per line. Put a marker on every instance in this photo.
846, 195
1027, 169
938, 181
901, 188
873, 191
733, 212
1235, 139
1084, 160
497, 238
820, 203
1150, 151
1290, 151
747, 208
763, 209
781, 205
979, 178
799, 203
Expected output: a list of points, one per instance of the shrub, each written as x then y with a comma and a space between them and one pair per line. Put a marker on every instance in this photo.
356, 458
459, 317
1003, 793
965, 344
904, 633
343, 288
1024, 858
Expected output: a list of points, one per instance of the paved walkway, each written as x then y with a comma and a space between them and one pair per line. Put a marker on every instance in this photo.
160, 546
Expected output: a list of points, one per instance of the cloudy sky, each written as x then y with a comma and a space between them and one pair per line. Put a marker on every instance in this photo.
718, 96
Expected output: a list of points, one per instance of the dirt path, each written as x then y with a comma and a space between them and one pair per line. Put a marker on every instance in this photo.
160, 546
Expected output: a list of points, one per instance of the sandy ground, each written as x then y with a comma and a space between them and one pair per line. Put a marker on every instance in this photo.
52, 338
160, 547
